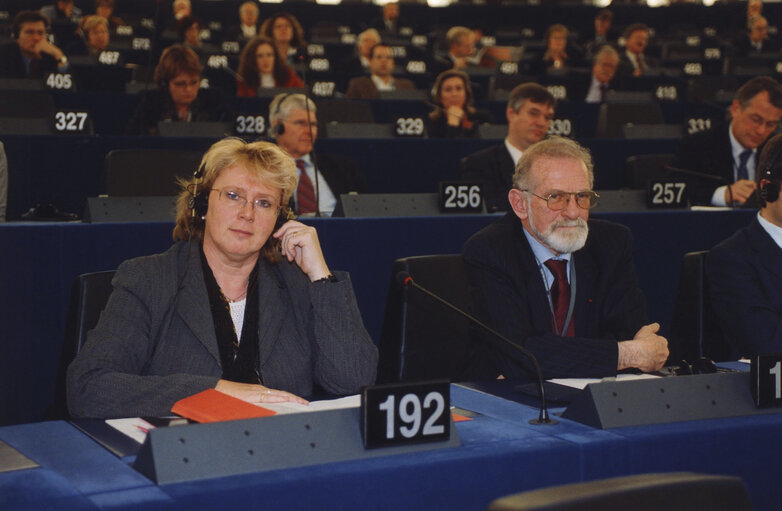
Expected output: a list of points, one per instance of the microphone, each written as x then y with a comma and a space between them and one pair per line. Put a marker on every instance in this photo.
702, 175
405, 279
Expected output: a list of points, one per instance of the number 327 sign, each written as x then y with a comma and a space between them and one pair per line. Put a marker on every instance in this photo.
405, 413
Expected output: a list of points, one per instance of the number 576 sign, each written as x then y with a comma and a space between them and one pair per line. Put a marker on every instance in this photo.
405, 413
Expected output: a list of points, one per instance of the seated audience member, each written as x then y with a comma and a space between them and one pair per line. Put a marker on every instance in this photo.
322, 177
178, 97
633, 62
260, 66
454, 115
728, 152
558, 55
94, 36
593, 88
62, 10
181, 8
248, 26
287, 34
244, 303
745, 283
600, 35
189, 30
755, 40
461, 46
523, 268
3, 183
529, 113
366, 40
31, 55
388, 22
381, 67
105, 9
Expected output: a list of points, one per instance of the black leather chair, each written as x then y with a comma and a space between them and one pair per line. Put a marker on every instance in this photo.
613, 116
674, 491
147, 172
639, 169
694, 329
421, 338
89, 295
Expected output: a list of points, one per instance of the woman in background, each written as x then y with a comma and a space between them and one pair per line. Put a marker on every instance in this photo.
455, 115
260, 66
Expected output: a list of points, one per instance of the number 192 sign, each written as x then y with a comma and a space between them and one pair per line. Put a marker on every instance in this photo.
766, 378
405, 413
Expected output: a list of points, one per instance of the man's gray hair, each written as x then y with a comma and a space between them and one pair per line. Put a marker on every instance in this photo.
368, 32
552, 147
455, 35
604, 51
282, 104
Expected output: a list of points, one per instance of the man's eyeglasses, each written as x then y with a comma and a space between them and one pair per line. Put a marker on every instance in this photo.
233, 199
558, 200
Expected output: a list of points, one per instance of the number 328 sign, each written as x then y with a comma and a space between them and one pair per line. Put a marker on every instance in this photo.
405, 413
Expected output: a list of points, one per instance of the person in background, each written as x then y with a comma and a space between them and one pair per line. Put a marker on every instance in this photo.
745, 284
62, 10
634, 62
94, 36
31, 55
366, 40
322, 177
600, 35
381, 67
288, 36
105, 8
178, 97
601, 79
261, 66
558, 55
461, 46
529, 113
454, 115
243, 303
755, 40
248, 27
181, 8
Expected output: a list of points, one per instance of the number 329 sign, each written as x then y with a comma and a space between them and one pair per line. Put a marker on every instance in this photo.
406, 413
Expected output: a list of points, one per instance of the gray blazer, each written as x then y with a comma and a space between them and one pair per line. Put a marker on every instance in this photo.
155, 341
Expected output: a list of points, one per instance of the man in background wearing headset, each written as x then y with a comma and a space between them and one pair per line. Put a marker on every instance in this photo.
31, 55
322, 178
745, 271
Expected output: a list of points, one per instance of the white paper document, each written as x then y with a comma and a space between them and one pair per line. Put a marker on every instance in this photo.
314, 406
580, 383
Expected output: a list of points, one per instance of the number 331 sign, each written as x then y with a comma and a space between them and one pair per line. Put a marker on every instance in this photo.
405, 413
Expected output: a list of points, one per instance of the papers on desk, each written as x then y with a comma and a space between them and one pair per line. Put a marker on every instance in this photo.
581, 383
315, 406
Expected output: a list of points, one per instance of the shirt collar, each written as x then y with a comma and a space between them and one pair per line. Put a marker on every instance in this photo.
543, 253
773, 230
515, 154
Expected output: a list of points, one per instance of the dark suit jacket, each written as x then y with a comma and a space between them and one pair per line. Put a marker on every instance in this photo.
437, 126
493, 167
340, 173
12, 64
235, 33
744, 47
364, 88
155, 342
510, 296
625, 67
708, 152
745, 288
155, 105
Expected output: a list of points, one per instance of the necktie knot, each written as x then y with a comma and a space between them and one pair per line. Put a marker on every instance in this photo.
743, 172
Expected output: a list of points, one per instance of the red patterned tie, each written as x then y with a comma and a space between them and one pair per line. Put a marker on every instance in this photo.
560, 295
305, 193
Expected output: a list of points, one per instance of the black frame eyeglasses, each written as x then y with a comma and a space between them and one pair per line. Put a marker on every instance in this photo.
558, 200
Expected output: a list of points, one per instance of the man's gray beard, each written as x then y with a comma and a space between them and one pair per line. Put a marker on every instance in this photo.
563, 241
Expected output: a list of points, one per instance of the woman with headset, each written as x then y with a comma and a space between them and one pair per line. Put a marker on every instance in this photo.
94, 32
260, 66
244, 302
178, 97
454, 115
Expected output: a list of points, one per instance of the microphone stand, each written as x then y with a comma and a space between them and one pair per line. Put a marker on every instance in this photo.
543, 416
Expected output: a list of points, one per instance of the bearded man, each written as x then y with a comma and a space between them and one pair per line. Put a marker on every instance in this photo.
551, 280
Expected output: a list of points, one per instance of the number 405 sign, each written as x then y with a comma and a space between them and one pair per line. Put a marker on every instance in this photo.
405, 413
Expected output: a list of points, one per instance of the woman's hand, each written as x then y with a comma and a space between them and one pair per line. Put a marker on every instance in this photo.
253, 393
454, 114
299, 243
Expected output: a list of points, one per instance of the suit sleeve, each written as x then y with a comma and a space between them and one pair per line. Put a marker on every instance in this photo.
503, 302
745, 311
107, 378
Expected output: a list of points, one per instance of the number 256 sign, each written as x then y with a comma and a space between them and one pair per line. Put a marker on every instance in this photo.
406, 413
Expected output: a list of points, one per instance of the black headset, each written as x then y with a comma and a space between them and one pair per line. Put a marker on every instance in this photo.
199, 201
770, 176
279, 128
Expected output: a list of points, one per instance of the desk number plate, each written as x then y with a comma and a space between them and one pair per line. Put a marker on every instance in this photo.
460, 197
405, 413
667, 194
766, 378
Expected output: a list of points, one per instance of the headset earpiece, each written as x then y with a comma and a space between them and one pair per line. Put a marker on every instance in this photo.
199, 201
769, 190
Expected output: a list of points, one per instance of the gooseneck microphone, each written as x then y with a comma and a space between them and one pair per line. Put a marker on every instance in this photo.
405, 280
703, 175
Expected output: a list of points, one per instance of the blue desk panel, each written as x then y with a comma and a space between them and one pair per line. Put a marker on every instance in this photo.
500, 454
